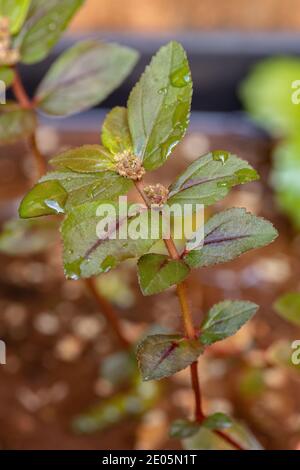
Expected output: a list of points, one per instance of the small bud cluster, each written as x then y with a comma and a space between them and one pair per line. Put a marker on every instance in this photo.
129, 165
8, 56
157, 194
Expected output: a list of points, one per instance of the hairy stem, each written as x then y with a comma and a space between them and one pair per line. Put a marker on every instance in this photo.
189, 331
108, 312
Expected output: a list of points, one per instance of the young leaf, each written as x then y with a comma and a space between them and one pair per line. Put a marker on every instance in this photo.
182, 428
83, 76
159, 106
27, 237
85, 159
163, 355
7, 75
45, 198
226, 318
228, 235
157, 273
73, 189
115, 134
15, 123
210, 178
45, 23
16, 11
288, 307
217, 421
90, 250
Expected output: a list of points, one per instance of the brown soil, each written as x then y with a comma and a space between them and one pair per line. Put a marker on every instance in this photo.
41, 391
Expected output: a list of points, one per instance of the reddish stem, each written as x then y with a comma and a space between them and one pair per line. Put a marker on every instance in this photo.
108, 312
20, 92
189, 330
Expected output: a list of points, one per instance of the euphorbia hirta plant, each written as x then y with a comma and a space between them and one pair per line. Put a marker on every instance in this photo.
136, 140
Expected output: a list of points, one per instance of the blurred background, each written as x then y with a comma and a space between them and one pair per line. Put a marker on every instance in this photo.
67, 383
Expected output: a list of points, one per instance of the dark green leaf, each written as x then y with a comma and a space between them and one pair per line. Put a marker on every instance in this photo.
217, 421
87, 253
15, 123
157, 273
83, 76
159, 106
24, 237
85, 159
210, 178
45, 23
288, 307
16, 11
228, 235
44, 199
115, 131
7, 75
163, 355
226, 318
182, 428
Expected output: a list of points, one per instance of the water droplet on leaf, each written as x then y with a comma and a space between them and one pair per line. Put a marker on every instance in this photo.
180, 77
220, 156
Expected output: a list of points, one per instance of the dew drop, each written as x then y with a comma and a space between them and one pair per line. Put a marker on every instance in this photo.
220, 156
180, 77
54, 205
163, 91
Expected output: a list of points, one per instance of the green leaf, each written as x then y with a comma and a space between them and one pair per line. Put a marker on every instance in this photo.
16, 11
288, 307
157, 273
159, 106
182, 428
15, 123
83, 76
210, 178
90, 250
7, 75
45, 198
85, 159
27, 237
45, 23
217, 421
285, 177
225, 319
267, 94
130, 403
115, 131
228, 235
163, 355
206, 439
73, 189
